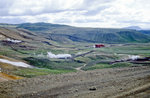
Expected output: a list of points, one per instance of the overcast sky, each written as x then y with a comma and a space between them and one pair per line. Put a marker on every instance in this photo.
84, 13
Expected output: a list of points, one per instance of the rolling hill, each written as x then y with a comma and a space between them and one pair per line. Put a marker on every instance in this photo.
64, 33
21, 39
48, 33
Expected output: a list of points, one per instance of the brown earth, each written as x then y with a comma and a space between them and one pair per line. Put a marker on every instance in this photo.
104, 83
6, 77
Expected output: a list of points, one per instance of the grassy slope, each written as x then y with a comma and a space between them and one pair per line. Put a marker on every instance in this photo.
102, 56
145, 32
32, 45
103, 65
63, 33
37, 72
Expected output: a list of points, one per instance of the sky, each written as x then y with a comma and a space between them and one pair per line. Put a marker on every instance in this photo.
81, 13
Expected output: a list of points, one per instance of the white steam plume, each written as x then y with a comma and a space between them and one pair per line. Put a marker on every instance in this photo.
51, 55
133, 57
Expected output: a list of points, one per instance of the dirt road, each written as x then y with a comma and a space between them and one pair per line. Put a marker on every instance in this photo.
103, 83
79, 68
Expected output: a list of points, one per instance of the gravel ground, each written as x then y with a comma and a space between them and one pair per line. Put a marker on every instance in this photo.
103, 83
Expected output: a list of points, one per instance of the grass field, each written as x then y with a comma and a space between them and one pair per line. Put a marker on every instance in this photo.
99, 59
103, 65
37, 72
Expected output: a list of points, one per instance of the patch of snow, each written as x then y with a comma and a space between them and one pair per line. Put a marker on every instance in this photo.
63, 56
12, 40
19, 64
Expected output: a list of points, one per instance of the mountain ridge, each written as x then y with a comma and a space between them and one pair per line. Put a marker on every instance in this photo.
68, 34
133, 28
65, 33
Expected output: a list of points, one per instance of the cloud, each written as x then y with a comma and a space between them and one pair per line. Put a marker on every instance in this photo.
93, 13
36, 7
11, 19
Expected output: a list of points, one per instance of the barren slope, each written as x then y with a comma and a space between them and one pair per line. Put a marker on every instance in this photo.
117, 82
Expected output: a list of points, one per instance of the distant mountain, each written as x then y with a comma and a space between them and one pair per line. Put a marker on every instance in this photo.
139, 29
133, 28
8, 25
145, 32
65, 33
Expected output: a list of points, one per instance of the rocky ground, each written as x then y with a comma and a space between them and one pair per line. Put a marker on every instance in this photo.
103, 83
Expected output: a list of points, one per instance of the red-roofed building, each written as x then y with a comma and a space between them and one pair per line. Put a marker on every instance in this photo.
99, 45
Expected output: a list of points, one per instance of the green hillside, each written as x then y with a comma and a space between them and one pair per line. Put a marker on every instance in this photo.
145, 32
64, 33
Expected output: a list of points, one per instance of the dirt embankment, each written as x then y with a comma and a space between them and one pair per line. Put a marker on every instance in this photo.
117, 82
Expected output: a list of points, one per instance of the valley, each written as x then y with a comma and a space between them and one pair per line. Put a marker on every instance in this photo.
63, 61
